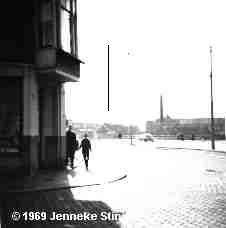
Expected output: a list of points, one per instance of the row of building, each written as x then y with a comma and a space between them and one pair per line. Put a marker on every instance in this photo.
199, 128
105, 130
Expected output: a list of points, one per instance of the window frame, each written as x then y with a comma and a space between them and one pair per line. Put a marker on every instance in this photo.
73, 26
56, 7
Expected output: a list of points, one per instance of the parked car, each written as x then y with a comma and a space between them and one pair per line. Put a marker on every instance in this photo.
146, 137
180, 136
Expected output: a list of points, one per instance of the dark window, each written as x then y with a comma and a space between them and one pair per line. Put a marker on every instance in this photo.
47, 24
10, 114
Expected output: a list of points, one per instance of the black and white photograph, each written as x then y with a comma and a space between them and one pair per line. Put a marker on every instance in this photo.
112, 114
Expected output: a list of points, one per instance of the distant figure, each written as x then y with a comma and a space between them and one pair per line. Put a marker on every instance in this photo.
72, 146
86, 147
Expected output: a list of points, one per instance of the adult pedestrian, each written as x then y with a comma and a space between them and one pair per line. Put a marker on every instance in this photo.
86, 147
72, 146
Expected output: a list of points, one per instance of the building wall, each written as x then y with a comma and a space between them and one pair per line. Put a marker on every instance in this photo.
26, 159
43, 124
30, 148
52, 124
17, 42
62, 151
24, 54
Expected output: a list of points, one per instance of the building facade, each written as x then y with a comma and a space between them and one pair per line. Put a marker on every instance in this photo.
38, 55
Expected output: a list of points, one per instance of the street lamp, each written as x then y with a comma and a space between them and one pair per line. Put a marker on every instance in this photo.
130, 128
211, 89
130, 134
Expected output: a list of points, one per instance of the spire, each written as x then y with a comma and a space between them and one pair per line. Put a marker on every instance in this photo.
161, 109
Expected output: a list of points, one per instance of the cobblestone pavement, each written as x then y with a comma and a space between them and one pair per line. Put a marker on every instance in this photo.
168, 188
165, 188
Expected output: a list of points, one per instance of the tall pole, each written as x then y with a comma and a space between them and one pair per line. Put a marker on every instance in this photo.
130, 127
131, 134
108, 78
161, 109
211, 89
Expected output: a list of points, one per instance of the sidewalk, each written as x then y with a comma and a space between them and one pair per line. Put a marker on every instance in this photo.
103, 168
220, 146
47, 180
36, 209
49, 192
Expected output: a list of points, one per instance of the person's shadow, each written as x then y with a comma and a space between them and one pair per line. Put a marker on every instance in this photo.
55, 208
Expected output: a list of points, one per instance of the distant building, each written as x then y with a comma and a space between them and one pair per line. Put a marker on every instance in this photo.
89, 131
105, 130
169, 128
116, 130
198, 128
85, 128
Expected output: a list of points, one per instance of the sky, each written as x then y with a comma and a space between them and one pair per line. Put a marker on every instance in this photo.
156, 47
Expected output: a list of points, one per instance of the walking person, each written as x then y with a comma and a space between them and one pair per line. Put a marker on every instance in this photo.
72, 146
86, 147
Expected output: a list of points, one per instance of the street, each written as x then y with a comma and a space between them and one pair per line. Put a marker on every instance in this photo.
164, 187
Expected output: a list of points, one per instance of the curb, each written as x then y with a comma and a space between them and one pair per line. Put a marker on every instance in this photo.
44, 189
186, 148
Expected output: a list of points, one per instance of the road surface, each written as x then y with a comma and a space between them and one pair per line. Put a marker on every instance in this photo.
164, 187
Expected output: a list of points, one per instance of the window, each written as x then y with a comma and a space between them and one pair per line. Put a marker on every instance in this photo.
58, 25
10, 114
68, 26
47, 24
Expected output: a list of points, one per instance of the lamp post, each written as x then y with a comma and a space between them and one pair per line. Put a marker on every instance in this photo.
131, 137
130, 134
211, 89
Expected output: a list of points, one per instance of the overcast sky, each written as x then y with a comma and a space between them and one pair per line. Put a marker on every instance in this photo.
156, 47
